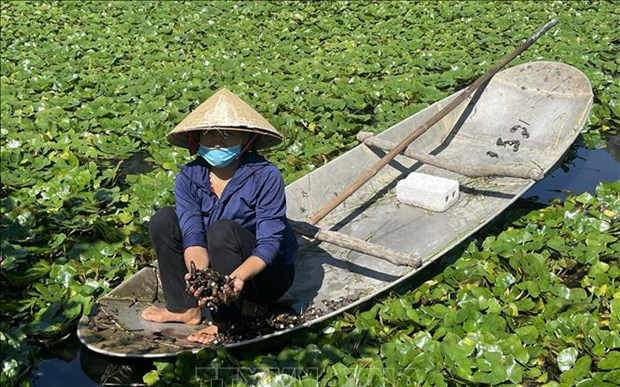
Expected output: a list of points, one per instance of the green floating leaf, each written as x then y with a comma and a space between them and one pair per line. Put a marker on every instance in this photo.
566, 358
151, 377
528, 334
610, 362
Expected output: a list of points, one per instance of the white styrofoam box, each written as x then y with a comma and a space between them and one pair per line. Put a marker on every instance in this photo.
427, 191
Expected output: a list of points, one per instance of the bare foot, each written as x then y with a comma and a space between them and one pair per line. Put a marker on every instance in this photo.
204, 336
189, 316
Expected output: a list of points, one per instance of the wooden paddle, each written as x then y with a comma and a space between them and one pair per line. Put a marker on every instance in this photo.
424, 127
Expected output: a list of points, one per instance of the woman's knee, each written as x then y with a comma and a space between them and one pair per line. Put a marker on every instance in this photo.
163, 222
223, 246
271, 284
220, 232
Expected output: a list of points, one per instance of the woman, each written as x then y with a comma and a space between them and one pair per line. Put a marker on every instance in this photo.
230, 214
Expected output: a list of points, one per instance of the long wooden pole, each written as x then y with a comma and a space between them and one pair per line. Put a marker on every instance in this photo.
424, 127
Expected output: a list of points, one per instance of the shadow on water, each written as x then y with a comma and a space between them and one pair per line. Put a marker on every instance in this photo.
74, 365
136, 164
69, 363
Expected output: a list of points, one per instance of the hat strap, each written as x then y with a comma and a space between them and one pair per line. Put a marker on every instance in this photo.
193, 143
248, 144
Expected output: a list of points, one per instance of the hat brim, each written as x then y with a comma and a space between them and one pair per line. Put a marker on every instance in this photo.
265, 139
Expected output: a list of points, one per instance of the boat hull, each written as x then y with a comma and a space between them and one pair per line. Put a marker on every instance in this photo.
551, 100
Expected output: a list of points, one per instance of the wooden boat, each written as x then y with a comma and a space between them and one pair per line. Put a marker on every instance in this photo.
550, 100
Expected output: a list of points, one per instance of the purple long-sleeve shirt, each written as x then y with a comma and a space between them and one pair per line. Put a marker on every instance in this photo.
254, 198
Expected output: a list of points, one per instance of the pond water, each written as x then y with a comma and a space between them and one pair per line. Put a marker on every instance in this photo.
581, 170
70, 364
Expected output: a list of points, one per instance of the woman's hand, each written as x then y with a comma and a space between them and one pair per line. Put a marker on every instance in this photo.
230, 293
199, 255
234, 292
248, 269
195, 291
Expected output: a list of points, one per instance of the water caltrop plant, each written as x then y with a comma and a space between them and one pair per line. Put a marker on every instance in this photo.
88, 93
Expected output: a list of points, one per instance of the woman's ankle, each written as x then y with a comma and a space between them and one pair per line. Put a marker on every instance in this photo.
190, 310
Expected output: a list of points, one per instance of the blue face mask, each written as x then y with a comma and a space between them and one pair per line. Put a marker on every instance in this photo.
219, 157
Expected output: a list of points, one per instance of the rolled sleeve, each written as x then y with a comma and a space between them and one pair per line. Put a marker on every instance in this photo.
270, 216
189, 213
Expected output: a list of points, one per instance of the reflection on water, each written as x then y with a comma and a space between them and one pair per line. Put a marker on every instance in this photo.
613, 147
74, 365
60, 366
70, 364
580, 171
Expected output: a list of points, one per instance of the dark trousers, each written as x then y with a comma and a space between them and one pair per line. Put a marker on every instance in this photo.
228, 245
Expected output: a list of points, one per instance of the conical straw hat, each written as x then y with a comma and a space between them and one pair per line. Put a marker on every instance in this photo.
224, 110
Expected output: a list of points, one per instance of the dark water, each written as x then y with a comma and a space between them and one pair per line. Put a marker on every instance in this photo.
581, 171
70, 364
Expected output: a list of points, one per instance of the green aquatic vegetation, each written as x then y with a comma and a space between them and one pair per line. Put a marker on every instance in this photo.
515, 308
85, 89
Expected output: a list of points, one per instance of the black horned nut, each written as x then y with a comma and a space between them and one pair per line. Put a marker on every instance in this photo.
212, 284
499, 142
525, 133
514, 143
